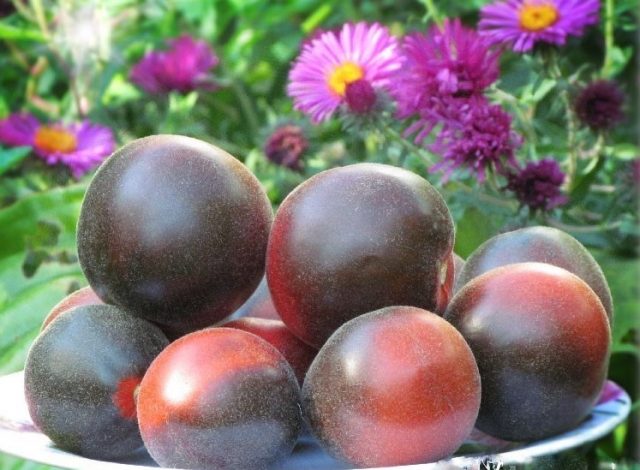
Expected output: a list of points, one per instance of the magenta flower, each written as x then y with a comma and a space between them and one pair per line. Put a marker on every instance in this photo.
526, 22
80, 146
286, 146
538, 185
451, 61
329, 64
478, 138
184, 67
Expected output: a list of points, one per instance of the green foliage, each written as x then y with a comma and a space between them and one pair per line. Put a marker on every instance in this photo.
41, 222
10, 158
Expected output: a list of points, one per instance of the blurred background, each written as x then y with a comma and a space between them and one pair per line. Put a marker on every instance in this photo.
79, 78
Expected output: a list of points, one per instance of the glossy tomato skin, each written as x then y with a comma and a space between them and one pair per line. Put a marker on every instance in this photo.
174, 230
219, 398
541, 338
83, 296
354, 239
80, 379
298, 354
396, 386
543, 245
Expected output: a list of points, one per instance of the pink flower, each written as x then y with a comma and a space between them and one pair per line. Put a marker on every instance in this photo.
331, 63
523, 23
184, 67
80, 146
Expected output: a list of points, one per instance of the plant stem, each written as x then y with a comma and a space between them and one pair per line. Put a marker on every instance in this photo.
607, 64
432, 11
597, 148
572, 125
394, 136
17, 54
248, 109
41, 18
23, 10
481, 196
527, 123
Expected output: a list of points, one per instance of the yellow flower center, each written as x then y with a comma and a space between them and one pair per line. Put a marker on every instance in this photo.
537, 17
343, 75
51, 139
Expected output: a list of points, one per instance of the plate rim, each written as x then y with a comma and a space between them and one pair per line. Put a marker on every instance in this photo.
604, 418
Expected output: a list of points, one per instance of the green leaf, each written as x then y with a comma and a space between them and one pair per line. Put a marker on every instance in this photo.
622, 274
316, 18
9, 158
624, 151
26, 301
532, 96
619, 59
46, 234
29, 302
474, 228
582, 184
8, 462
20, 220
13, 33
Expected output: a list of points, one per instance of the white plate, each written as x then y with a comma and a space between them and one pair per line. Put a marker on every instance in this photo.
19, 437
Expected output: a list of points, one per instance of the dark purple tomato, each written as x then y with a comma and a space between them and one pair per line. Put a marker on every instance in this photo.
298, 354
543, 245
219, 398
175, 231
83, 296
396, 386
541, 338
259, 305
354, 239
81, 375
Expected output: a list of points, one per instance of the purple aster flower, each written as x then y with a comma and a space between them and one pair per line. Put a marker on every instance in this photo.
80, 146
526, 22
538, 185
599, 105
329, 64
184, 67
286, 145
478, 136
451, 61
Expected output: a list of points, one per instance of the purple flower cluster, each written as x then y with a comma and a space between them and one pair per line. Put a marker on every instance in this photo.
538, 185
443, 82
478, 138
80, 146
183, 67
438, 79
